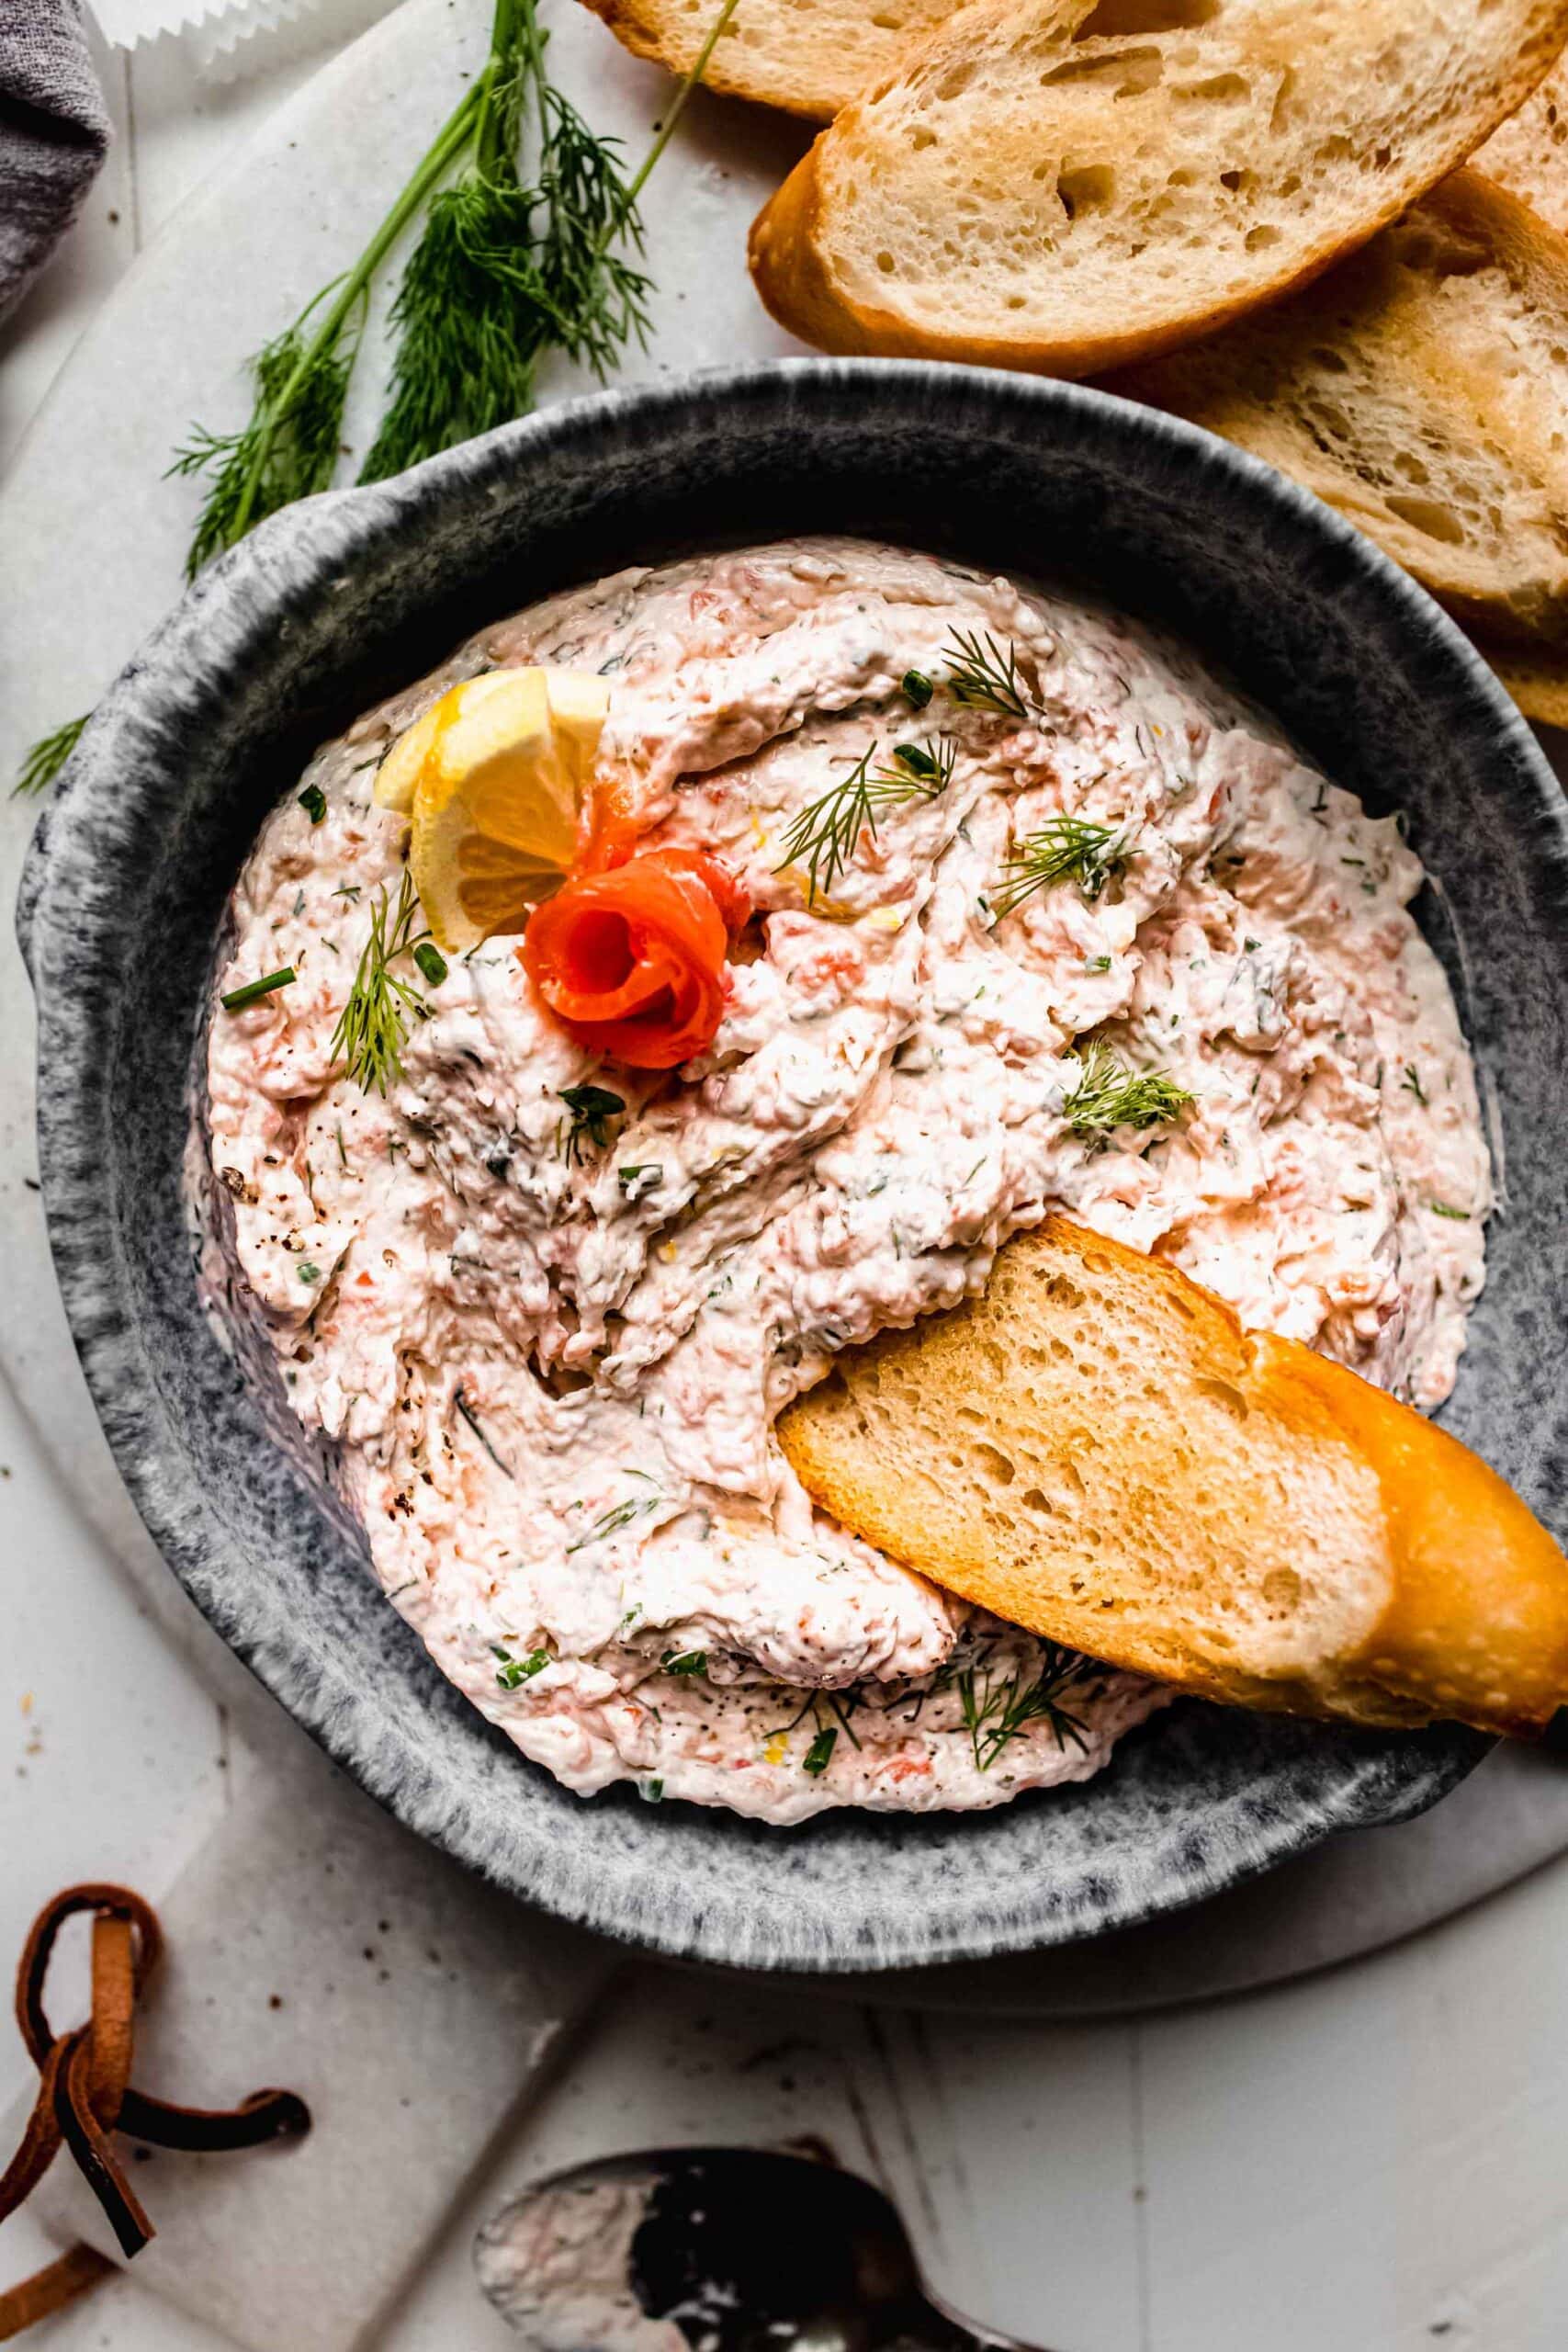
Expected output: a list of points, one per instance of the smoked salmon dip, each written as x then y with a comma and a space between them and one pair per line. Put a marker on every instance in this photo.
1094, 938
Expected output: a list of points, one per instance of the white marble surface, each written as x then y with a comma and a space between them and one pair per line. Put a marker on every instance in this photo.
1370, 2160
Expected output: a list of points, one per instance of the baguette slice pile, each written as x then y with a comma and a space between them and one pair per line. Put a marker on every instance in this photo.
1095, 1449
1068, 185
1422, 388
1235, 207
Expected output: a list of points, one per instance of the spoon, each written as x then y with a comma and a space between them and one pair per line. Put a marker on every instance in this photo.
714, 2250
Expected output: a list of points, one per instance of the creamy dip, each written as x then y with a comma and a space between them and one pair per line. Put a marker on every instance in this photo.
557, 2262
550, 1362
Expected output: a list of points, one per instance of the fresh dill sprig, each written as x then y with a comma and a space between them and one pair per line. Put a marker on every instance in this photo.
997, 1707
44, 761
826, 835
288, 445
373, 1027
504, 273
983, 674
1109, 1095
506, 270
1065, 849
611, 1522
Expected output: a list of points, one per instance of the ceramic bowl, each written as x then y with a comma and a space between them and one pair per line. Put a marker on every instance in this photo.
336, 602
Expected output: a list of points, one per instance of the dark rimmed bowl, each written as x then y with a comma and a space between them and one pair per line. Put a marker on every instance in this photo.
337, 601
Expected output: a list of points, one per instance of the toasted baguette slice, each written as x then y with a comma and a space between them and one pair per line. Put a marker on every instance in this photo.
1538, 682
1420, 388
1096, 1449
1528, 154
1066, 185
811, 57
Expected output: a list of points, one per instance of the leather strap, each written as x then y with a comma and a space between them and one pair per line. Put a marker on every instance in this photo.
85, 2092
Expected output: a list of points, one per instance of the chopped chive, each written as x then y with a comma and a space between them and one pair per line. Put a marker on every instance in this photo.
819, 1755
430, 962
237, 999
514, 1671
307, 1273
635, 1182
1441, 1208
917, 761
650, 1792
685, 1662
313, 801
916, 688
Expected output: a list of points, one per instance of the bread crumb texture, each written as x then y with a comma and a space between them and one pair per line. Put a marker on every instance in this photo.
1420, 388
1529, 155
1067, 184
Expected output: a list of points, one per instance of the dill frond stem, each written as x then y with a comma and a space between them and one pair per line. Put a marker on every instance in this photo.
428, 173
677, 105
316, 362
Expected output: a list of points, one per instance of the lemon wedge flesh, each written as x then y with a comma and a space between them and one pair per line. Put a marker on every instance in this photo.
493, 779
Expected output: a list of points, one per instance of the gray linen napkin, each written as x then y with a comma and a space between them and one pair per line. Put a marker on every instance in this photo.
53, 134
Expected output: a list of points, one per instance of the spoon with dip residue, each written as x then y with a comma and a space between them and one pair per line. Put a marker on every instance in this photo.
713, 2250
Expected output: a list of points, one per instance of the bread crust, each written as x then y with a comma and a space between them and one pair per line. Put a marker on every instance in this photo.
798, 261
1538, 682
801, 72
1461, 1596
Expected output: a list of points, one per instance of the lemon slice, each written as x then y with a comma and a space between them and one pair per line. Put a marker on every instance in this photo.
493, 779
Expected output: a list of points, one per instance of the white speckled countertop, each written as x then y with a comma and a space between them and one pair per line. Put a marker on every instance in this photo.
1369, 2160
